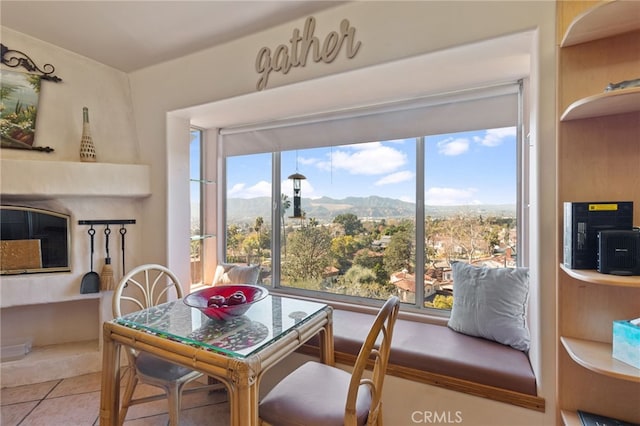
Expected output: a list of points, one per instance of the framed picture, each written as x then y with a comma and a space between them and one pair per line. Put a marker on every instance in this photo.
19, 95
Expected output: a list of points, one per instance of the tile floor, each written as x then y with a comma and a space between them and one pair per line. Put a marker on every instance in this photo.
76, 402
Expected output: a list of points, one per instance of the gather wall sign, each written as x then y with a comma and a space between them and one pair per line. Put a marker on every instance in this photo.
296, 52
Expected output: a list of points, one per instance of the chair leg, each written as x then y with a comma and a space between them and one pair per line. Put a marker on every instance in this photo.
174, 395
128, 394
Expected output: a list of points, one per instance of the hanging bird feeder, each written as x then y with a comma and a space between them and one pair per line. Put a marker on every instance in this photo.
297, 183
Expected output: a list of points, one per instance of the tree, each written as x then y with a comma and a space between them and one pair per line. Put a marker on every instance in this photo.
234, 239
350, 222
471, 235
431, 227
374, 261
343, 248
397, 255
403, 226
359, 281
251, 246
258, 225
312, 248
491, 235
441, 302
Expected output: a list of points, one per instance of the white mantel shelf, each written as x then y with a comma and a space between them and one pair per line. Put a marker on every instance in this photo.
33, 179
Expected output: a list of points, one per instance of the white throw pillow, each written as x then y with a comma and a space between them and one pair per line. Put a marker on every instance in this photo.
491, 303
236, 274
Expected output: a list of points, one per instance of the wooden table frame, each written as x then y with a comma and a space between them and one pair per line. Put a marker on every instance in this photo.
240, 375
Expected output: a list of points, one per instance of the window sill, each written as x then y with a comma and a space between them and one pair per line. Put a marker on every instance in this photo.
407, 312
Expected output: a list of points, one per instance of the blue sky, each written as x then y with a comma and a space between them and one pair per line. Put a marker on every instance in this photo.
461, 169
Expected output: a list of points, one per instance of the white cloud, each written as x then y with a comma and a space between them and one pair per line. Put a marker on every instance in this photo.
495, 137
397, 177
365, 159
307, 161
438, 196
235, 189
453, 146
260, 189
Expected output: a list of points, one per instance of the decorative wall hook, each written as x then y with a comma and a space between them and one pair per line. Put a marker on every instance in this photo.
15, 58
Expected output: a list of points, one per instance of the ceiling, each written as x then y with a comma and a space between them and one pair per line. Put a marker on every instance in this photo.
130, 35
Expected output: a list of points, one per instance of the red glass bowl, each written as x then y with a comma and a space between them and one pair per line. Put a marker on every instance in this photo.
198, 299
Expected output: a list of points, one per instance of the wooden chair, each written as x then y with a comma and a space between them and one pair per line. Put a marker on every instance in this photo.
143, 287
317, 394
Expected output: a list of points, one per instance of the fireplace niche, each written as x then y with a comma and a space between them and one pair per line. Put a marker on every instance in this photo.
33, 240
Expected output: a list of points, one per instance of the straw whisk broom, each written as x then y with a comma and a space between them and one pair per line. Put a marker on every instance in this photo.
107, 282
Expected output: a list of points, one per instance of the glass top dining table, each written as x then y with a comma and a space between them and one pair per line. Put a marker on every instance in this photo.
236, 351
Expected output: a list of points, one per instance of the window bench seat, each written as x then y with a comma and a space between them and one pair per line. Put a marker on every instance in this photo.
434, 354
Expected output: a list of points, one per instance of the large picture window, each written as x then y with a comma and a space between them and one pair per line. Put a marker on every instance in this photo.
375, 213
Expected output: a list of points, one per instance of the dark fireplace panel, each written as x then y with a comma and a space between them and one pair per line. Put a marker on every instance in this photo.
33, 240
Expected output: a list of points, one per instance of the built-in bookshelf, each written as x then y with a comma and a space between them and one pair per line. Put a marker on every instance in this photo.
598, 155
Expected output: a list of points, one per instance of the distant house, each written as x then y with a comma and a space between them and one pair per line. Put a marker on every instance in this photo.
382, 243
405, 284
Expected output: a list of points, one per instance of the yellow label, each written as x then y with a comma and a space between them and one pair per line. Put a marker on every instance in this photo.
602, 207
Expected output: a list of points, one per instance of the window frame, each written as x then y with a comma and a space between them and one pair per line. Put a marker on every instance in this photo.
522, 217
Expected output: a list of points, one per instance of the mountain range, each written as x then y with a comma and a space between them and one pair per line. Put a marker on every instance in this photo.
246, 210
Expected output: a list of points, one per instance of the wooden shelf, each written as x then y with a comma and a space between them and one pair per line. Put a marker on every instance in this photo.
597, 151
595, 277
24, 179
606, 103
607, 19
570, 418
596, 356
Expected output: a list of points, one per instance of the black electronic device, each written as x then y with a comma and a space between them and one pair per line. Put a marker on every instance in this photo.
583, 221
619, 252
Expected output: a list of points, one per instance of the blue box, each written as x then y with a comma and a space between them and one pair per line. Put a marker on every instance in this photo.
626, 343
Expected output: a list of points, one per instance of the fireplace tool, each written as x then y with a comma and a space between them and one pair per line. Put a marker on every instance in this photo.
91, 280
106, 276
123, 231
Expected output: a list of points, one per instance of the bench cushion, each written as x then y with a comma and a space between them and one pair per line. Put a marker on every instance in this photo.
435, 348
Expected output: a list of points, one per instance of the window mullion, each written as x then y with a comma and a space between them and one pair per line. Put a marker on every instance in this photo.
276, 206
419, 223
522, 195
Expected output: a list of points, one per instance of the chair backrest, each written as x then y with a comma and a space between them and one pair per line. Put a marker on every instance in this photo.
378, 355
144, 286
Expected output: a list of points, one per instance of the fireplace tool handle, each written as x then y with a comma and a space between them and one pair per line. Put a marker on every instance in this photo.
92, 233
123, 231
